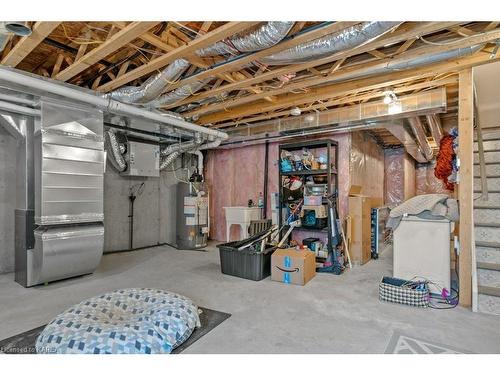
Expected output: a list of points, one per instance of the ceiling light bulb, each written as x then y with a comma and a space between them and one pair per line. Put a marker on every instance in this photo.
295, 111
389, 97
309, 118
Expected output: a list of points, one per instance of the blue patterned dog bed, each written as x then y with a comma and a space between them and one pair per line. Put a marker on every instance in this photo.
124, 321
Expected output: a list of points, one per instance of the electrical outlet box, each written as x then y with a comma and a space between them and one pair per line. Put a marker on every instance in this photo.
143, 159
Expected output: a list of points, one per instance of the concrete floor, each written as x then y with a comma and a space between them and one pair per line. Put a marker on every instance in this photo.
331, 314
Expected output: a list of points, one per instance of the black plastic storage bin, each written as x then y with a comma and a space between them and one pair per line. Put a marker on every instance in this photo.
246, 263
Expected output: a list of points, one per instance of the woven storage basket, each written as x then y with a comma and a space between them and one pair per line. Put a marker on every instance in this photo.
396, 290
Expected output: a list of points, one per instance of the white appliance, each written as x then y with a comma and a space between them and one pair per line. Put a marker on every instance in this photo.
422, 250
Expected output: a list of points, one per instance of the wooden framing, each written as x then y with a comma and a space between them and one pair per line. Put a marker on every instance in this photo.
128, 52
292, 42
118, 40
401, 34
465, 187
323, 92
222, 32
28, 43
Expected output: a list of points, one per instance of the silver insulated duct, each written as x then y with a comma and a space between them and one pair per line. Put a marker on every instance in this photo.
351, 37
115, 151
152, 87
265, 36
178, 94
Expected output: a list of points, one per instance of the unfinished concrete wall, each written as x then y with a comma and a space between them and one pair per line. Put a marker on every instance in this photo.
7, 200
154, 210
237, 175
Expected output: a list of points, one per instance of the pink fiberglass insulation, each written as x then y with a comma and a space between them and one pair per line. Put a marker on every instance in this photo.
236, 175
427, 183
394, 176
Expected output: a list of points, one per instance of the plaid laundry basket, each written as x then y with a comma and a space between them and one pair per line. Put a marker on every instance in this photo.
402, 291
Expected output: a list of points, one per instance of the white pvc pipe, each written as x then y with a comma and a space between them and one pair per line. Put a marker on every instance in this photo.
13, 76
199, 154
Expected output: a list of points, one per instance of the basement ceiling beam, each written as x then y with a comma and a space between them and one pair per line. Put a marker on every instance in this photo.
347, 72
344, 100
28, 43
118, 40
326, 92
403, 33
221, 32
328, 28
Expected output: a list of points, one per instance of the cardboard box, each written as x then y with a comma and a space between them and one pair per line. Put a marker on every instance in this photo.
360, 227
292, 266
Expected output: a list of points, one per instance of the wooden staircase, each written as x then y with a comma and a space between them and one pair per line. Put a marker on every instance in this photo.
487, 223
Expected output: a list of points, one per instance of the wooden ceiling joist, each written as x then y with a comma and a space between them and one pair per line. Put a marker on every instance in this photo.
361, 69
344, 99
329, 91
289, 43
402, 34
220, 33
115, 42
28, 43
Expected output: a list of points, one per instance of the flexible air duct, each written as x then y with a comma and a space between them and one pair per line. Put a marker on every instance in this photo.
265, 36
178, 94
435, 127
419, 132
115, 151
351, 37
183, 147
152, 87
166, 161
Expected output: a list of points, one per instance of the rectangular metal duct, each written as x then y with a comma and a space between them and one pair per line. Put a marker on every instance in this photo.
432, 101
66, 236
69, 166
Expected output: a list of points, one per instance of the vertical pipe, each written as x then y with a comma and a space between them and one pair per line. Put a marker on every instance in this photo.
131, 221
266, 174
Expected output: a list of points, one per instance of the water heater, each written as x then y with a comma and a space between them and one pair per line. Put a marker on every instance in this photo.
192, 215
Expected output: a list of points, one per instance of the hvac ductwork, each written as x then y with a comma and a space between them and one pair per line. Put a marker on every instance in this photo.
351, 37
152, 87
40, 86
419, 132
116, 151
165, 162
12, 28
435, 127
265, 36
170, 153
178, 94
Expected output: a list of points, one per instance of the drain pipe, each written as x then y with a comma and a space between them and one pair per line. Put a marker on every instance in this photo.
106, 104
418, 130
435, 127
199, 154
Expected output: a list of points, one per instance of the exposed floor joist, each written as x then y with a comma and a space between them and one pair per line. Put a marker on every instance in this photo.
28, 43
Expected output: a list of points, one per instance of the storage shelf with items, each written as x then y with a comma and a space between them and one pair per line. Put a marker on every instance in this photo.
307, 175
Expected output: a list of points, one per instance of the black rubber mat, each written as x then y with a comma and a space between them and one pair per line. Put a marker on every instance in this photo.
24, 343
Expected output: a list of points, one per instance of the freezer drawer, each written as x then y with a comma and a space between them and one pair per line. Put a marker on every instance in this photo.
62, 252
